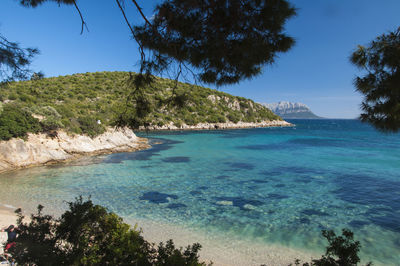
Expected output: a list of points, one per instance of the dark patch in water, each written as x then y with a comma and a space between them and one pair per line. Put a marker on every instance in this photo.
381, 194
176, 159
222, 176
246, 166
157, 197
195, 192
305, 221
260, 147
144, 155
280, 185
358, 223
176, 206
146, 166
277, 196
202, 188
389, 221
310, 212
296, 170
239, 202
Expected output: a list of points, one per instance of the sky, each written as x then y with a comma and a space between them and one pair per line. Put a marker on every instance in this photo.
316, 71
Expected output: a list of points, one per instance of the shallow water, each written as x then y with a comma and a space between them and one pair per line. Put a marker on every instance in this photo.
278, 186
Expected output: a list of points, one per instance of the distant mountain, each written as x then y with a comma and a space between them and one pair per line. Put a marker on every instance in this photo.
288, 110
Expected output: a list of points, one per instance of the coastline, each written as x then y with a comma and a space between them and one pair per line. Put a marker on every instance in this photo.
40, 149
215, 247
218, 126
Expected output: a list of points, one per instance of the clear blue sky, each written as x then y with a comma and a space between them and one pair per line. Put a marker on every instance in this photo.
316, 71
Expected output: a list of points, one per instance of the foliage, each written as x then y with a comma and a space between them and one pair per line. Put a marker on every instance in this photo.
37, 75
226, 41
76, 102
87, 234
14, 60
16, 122
89, 125
341, 250
381, 85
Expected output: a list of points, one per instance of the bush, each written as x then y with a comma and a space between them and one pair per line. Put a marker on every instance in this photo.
16, 122
341, 251
89, 126
87, 234
234, 117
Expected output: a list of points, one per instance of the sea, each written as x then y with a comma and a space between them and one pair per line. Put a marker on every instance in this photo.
278, 186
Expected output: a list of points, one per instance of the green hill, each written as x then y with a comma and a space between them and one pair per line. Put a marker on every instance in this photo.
76, 102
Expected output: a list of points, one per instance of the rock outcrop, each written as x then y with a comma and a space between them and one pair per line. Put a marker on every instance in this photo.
213, 126
41, 149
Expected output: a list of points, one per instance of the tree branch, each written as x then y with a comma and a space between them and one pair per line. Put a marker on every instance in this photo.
82, 20
130, 27
141, 13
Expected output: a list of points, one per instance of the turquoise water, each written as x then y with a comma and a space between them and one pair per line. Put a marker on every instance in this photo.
274, 185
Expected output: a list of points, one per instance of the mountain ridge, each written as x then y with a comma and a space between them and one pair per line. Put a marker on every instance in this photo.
290, 110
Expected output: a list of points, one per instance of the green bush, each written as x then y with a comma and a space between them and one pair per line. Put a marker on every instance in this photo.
234, 117
341, 250
16, 122
87, 234
12, 96
89, 126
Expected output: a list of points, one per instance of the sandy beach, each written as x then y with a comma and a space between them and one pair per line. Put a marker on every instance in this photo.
221, 253
7, 217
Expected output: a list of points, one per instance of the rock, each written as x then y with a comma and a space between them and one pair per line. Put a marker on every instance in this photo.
212, 126
41, 149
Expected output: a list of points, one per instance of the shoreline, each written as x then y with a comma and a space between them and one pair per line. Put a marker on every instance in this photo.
218, 126
216, 248
42, 150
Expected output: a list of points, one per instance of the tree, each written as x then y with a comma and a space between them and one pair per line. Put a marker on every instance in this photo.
216, 41
37, 75
87, 234
341, 250
14, 60
219, 41
381, 85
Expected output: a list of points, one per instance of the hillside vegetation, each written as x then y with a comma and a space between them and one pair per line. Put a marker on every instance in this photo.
76, 102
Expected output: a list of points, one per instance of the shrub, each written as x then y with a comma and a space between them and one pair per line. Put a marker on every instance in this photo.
234, 117
17, 122
12, 96
341, 251
87, 234
89, 126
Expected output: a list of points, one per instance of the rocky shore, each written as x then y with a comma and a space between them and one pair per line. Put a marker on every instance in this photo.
214, 126
41, 149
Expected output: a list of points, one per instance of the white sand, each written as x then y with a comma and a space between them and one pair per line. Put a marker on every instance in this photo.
222, 252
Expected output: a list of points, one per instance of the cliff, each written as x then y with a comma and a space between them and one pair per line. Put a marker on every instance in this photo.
40, 149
